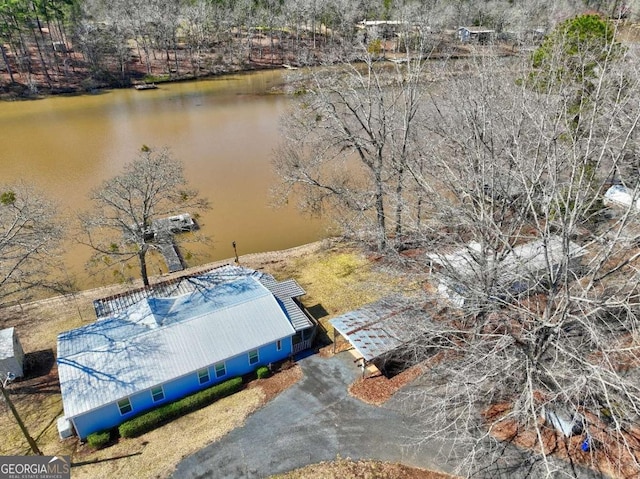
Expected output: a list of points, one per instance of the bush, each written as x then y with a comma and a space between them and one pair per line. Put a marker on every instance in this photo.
162, 415
98, 440
263, 372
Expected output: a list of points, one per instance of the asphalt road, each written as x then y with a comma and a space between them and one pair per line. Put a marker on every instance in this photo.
314, 420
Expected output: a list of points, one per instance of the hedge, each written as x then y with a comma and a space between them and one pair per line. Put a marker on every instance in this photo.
99, 439
162, 415
263, 372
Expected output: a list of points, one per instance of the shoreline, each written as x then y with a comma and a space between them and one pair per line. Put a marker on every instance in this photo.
20, 92
257, 261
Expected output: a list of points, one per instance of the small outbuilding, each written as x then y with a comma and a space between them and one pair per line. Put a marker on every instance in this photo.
11, 353
476, 34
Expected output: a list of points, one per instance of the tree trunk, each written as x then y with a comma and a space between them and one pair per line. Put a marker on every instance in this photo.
142, 256
380, 220
6, 62
399, 205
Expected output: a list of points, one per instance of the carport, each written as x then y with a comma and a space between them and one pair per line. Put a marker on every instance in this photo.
378, 330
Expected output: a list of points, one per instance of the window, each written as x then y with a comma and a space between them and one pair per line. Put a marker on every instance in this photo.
157, 394
221, 370
203, 376
125, 406
279, 345
253, 356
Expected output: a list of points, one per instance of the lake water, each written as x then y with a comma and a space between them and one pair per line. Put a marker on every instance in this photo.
223, 129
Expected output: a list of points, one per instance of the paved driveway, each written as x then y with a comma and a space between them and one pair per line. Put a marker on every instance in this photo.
314, 420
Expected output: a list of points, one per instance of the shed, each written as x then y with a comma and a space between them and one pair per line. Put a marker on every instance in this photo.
475, 34
11, 353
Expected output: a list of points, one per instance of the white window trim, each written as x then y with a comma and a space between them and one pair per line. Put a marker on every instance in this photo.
215, 369
152, 395
120, 408
200, 381
257, 357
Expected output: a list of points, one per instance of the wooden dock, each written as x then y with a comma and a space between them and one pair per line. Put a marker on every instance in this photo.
161, 235
171, 254
145, 86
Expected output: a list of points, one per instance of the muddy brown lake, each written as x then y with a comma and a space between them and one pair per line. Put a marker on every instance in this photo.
223, 129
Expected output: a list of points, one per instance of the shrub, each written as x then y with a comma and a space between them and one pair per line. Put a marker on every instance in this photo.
98, 440
162, 415
263, 372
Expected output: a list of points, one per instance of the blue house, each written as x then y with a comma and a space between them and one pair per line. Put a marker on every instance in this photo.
155, 345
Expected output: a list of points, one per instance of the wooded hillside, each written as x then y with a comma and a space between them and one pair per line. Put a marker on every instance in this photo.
70, 45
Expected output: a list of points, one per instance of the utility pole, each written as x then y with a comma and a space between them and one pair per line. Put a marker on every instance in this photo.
8, 377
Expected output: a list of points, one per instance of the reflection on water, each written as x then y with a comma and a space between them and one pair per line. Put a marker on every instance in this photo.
224, 130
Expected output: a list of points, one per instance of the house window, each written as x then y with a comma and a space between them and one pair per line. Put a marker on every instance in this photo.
253, 356
203, 376
279, 345
221, 370
125, 406
157, 394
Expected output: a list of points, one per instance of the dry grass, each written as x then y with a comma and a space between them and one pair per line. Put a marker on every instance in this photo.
348, 469
157, 452
342, 277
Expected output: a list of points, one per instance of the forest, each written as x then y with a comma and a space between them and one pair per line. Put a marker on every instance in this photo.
53, 46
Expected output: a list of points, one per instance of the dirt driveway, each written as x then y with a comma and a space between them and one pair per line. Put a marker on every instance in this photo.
315, 420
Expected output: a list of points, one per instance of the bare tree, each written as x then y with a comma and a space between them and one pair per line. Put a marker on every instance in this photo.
348, 141
30, 237
541, 332
125, 207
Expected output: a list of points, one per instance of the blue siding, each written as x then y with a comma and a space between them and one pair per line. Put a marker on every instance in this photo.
109, 416
104, 418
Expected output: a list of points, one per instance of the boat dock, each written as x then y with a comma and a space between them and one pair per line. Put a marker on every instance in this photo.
173, 224
145, 86
171, 254
161, 234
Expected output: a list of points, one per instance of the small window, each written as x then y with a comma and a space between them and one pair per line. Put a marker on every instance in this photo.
203, 376
221, 370
125, 406
279, 345
157, 394
253, 356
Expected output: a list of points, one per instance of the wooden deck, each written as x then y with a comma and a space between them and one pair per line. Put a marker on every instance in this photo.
170, 252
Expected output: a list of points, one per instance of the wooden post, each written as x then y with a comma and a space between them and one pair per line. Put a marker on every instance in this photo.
23, 428
235, 251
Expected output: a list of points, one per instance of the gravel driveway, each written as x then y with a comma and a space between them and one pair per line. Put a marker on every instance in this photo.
314, 420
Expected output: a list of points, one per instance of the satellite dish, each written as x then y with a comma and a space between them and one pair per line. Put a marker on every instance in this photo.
10, 376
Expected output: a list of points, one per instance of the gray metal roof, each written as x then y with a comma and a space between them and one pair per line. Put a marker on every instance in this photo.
284, 291
381, 327
6, 343
159, 339
522, 263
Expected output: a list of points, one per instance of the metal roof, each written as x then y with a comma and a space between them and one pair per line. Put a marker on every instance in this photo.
284, 291
379, 328
160, 339
522, 263
6, 343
